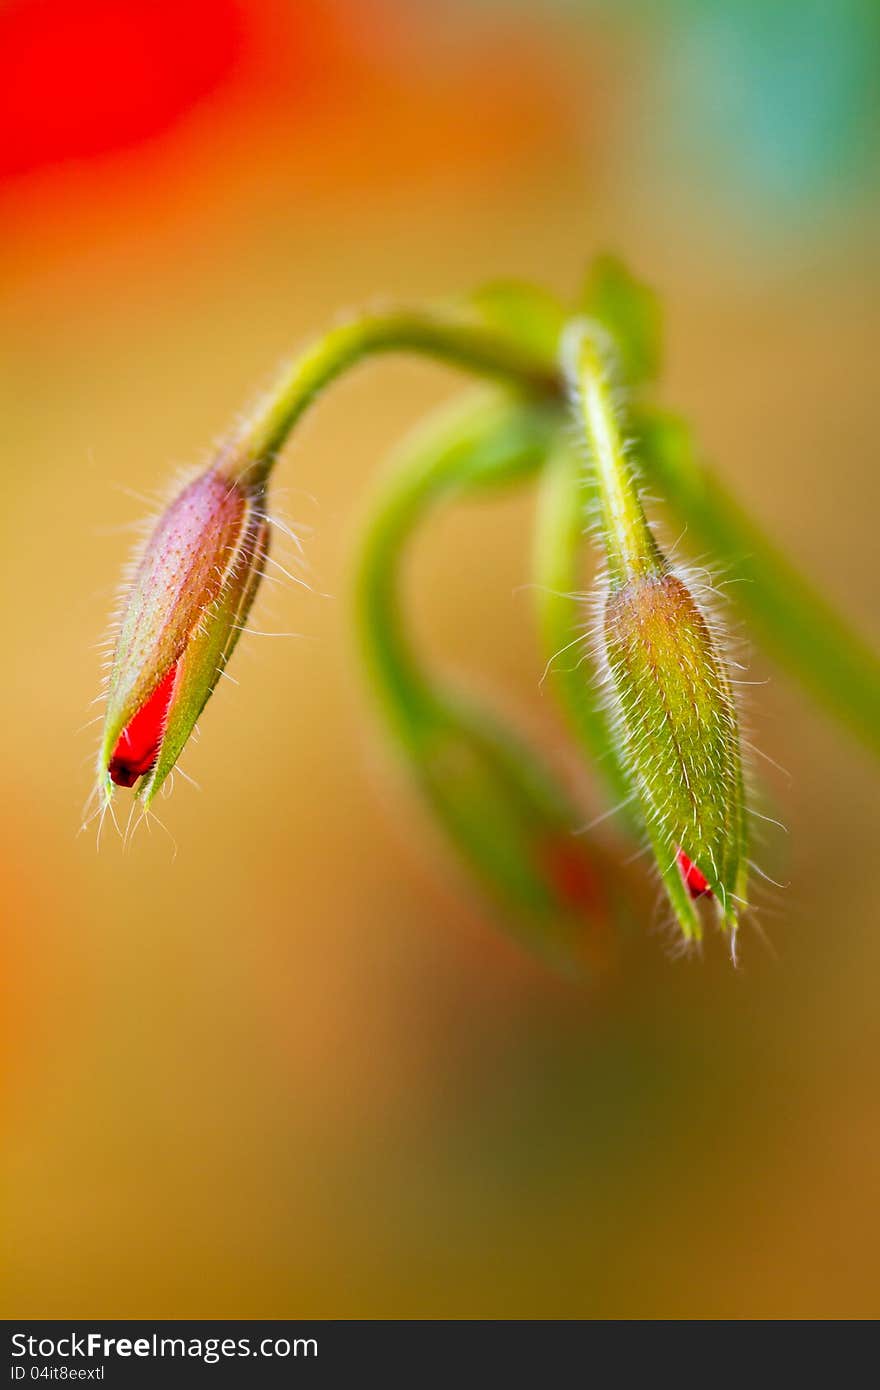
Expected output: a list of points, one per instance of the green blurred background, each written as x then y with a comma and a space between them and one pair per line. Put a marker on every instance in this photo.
297, 1069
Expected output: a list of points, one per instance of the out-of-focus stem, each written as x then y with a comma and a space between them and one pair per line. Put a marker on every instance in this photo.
500, 807
448, 455
563, 615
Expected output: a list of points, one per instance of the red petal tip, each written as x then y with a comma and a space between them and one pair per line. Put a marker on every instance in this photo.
694, 879
137, 749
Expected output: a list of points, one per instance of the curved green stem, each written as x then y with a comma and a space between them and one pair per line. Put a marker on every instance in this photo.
500, 807
563, 615
447, 335
791, 619
482, 444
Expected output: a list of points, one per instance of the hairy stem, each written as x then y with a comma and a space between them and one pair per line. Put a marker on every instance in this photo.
588, 366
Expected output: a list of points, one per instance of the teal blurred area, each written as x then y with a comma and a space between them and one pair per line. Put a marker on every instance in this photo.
774, 106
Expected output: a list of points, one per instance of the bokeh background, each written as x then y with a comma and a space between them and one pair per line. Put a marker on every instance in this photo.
297, 1069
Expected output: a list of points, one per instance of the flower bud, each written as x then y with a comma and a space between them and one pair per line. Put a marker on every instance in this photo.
677, 726
181, 618
672, 702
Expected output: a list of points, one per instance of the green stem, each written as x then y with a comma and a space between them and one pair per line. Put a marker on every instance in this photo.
629, 542
793, 621
499, 806
443, 458
563, 615
443, 334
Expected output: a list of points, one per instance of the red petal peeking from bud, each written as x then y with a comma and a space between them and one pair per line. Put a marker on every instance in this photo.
694, 880
138, 747
187, 604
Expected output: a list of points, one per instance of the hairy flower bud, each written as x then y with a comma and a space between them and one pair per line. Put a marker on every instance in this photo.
672, 702
677, 726
181, 618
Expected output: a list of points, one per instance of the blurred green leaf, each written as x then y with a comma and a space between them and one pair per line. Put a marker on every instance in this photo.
528, 313
630, 311
789, 615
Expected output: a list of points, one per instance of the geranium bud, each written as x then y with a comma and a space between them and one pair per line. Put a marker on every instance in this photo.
671, 698
186, 606
676, 721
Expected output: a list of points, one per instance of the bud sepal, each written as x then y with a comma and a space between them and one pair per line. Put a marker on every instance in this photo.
182, 616
677, 729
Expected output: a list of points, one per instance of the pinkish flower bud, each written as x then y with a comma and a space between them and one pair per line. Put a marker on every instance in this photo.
186, 607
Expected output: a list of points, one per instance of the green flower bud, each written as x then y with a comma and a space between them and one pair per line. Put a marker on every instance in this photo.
677, 726
187, 604
671, 698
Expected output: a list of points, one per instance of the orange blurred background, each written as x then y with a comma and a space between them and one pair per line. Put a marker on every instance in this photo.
295, 1069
